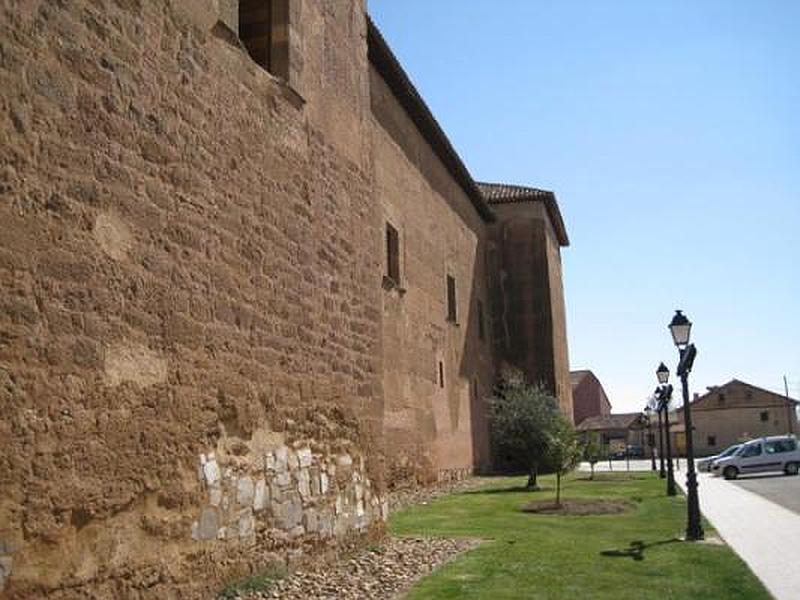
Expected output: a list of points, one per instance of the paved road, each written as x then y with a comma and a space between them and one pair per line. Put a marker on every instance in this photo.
779, 489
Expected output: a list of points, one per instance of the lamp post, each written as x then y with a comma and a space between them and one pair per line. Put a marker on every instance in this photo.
680, 327
662, 473
651, 439
664, 395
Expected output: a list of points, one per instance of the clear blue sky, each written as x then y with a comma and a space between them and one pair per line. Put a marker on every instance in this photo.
670, 132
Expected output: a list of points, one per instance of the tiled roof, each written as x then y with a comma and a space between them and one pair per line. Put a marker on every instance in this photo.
501, 193
618, 421
504, 193
712, 390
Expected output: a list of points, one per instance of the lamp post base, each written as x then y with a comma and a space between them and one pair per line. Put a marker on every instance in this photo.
694, 526
671, 489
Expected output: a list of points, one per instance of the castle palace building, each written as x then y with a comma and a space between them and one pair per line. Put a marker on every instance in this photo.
247, 288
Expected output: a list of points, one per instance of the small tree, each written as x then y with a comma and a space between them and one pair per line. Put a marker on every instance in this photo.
592, 451
564, 451
522, 419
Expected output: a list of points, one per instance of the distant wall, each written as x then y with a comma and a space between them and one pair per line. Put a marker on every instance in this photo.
432, 428
529, 320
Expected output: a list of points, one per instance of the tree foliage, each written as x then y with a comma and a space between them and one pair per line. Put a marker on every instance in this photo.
592, 451
564, 451
523, 418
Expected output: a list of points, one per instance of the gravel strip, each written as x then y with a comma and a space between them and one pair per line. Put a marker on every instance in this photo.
399, 499
380, 572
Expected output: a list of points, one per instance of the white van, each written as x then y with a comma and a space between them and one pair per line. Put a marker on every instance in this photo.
776, 453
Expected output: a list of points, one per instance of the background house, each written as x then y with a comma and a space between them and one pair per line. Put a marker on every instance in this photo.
592, 415
615, 432
735, 412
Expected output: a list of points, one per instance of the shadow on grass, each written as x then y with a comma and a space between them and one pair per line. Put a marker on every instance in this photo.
636, 549
606, 476
516, 489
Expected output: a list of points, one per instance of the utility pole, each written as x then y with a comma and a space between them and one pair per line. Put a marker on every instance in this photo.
789, 404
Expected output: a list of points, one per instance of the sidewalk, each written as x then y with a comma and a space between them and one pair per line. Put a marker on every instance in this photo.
764, 534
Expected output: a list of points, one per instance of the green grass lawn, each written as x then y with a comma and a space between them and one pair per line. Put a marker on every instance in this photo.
538, 556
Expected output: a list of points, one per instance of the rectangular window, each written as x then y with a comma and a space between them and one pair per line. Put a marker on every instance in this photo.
764, 415
255, 30
780, 446
266, 33
481, 326
392, 254
751, 450
441, 374
452, 314
721, 399
712, 440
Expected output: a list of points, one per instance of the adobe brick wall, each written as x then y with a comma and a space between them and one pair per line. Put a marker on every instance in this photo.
188, 274
430, 431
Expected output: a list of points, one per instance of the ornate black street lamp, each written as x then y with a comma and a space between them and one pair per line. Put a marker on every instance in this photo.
680, 327
651, 438
664, 395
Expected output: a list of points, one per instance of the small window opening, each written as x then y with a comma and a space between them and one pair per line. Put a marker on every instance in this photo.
712, 440
392, 253
441, 374
452, 314
764, 415
721, 399
255, 30
265, 31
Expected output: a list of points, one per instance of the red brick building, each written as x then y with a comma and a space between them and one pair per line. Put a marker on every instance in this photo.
588, 396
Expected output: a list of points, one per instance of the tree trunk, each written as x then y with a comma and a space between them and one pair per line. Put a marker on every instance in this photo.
591, 477
558, 488
532, 478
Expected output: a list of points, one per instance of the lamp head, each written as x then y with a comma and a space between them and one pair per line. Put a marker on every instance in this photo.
680, 327
662, 373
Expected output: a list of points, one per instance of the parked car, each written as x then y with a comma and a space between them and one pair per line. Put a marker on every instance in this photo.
635, 452
776, 453
704, 464
628, 452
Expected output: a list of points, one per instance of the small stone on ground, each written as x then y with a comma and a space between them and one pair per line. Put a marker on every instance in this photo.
380, 572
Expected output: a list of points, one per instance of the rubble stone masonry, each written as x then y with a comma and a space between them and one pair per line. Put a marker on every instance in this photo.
203, 369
